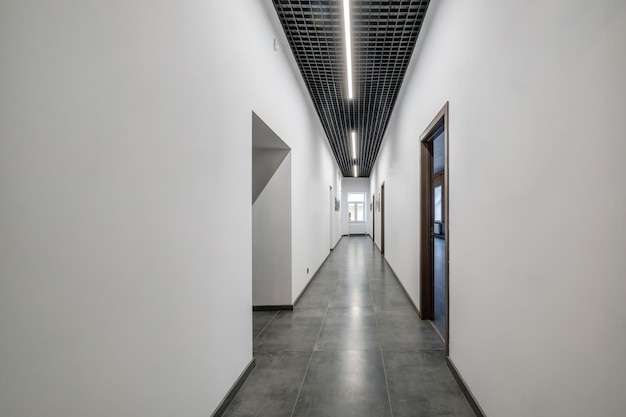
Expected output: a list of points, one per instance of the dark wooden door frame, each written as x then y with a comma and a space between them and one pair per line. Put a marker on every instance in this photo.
382, 218
427, 287
374, 218
332, 215
427, 279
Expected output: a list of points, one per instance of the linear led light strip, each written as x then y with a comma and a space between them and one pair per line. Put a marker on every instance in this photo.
346, 19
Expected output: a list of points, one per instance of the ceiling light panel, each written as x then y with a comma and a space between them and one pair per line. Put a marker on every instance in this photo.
383, 36
347, 36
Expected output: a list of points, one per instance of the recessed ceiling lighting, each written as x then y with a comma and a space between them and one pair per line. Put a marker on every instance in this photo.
353, 144
346, 20
355, 171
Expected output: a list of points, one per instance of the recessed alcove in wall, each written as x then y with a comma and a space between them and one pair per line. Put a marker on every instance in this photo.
271, 218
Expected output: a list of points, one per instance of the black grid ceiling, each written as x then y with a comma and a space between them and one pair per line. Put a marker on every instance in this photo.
383, 38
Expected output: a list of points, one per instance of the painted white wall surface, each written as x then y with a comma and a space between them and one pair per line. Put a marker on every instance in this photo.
125, 212
537, 168
271, 240
313, 172
355, 185
335, 212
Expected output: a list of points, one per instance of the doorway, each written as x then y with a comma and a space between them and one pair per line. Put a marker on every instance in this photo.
373, 209
382, 218
271, 219
434, 219
332, 215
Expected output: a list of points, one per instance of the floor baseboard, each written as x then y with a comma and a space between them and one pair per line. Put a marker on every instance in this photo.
466, 391
234, 390
273, 308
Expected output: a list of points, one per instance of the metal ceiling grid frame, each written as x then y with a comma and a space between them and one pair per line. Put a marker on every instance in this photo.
383, 35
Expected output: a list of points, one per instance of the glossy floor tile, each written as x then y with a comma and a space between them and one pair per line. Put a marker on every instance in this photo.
260, 319
291, 331
353, 346
420, 384
272, 388
344, 383
349, 329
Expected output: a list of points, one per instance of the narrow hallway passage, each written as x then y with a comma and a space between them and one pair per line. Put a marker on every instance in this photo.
353, 346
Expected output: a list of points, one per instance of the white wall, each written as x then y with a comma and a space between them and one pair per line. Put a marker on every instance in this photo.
335, 193
271, 240
313, 173
537, 94
125, 215
355, 185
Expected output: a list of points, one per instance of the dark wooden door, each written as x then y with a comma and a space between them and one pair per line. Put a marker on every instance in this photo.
382, 218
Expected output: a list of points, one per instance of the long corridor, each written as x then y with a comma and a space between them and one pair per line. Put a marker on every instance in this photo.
353, 347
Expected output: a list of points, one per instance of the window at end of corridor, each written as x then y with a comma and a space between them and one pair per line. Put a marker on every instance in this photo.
356, 207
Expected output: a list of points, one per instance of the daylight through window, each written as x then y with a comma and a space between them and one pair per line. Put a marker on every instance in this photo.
356, 207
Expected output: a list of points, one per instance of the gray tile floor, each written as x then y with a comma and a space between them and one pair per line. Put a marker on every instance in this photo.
352, 347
